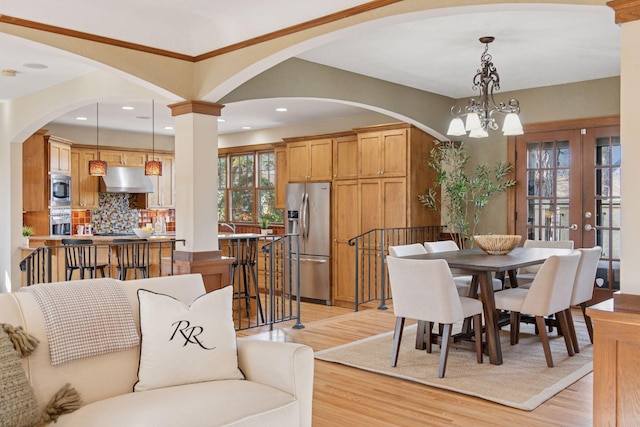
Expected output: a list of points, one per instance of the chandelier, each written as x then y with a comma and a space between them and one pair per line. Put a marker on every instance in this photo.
479, 111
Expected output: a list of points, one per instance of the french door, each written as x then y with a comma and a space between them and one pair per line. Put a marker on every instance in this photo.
568, 188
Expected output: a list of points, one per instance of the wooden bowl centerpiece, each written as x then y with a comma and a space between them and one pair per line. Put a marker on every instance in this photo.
497, 244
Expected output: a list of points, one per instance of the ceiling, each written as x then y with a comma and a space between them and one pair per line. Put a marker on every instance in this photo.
438, 51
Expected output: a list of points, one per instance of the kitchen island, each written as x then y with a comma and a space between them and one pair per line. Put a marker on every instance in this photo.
160, 247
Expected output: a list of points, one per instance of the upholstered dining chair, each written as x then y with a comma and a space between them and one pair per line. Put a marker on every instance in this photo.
438, 302
81, 255
525, 275
583, 290
407, 250
550, 293
463, 282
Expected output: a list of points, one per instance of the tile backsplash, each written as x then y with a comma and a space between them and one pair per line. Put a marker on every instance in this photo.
119, 213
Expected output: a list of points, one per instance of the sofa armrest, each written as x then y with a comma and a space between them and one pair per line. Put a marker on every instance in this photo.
285, 366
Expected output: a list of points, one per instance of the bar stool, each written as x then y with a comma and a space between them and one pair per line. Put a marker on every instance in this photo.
81, 255
245, 252
132, 254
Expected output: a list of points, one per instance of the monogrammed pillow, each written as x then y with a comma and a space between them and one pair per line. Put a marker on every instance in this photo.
186, 344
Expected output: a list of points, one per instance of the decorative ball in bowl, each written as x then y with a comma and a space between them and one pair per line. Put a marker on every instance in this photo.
497, 244
142, 232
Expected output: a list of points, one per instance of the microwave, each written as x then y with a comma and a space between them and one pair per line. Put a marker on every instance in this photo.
60, 190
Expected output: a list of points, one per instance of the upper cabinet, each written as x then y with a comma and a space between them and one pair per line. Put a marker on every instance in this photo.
35, 173
280, 152
383, 153
345, 157
163, 196
84, 187
59, 155
309, 160
123, 158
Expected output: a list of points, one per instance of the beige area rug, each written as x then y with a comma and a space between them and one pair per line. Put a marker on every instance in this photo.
523, 381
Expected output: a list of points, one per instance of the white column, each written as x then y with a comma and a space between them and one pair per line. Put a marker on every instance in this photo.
196, 175
629, 131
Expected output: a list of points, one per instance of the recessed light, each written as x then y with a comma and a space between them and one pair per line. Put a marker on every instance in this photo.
127, 107
35, 66
281, 109
9, 73
246, 127
168, 128
81, 118
221, 120
143, 117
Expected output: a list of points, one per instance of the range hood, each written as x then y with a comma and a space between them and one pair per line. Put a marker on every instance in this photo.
122, 179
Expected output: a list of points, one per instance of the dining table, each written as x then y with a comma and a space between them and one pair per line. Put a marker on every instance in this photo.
481, 265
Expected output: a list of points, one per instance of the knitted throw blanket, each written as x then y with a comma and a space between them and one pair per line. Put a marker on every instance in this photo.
83, 319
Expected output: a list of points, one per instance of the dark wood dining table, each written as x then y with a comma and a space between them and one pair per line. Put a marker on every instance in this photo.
481, 265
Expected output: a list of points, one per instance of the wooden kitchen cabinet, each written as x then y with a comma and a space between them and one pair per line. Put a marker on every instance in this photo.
282, 177
309, 160
383, 203
123, 158
346, 225
59, 155
163, 195
345, 157
84, 187
35, 174
383, 153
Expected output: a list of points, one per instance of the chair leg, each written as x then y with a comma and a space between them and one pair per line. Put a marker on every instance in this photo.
477, 327
572, 330
444, 349
587, 320
542, 327
420, 335
515, 327
561, 318
428, 333
397, 339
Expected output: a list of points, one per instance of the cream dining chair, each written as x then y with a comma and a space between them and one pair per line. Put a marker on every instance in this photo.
438, 302
463, 282
583, 290
550, 293
525, 275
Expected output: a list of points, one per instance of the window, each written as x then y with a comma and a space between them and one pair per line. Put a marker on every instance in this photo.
246, 188
222, 186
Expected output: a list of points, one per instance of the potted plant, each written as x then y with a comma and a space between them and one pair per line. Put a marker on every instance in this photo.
26, 232
264, 225
464, 195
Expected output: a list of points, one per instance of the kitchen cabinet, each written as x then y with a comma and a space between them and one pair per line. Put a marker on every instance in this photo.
280, 153
309, 160
123, 158
383, 153
84, 187
345, 224
35, 174
345, 157
163, 195
392, 172
59, 155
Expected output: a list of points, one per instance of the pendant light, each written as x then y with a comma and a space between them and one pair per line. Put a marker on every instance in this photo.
153, 167
97, 167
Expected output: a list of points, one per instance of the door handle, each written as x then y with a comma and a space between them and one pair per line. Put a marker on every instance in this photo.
314, 261
572, 227
588, 227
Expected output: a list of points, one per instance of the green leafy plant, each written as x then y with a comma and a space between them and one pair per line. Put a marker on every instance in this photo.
264, 222
27, 231
464, 195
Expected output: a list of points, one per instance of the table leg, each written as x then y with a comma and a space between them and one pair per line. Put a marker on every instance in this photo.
490, 318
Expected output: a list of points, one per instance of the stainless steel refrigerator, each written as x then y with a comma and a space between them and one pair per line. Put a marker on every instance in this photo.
309, 215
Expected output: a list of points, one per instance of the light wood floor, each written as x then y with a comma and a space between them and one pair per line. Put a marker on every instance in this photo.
345, 396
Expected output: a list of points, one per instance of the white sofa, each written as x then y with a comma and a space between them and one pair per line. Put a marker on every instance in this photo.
277, 390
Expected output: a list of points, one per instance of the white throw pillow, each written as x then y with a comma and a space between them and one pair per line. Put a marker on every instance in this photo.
186, 344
